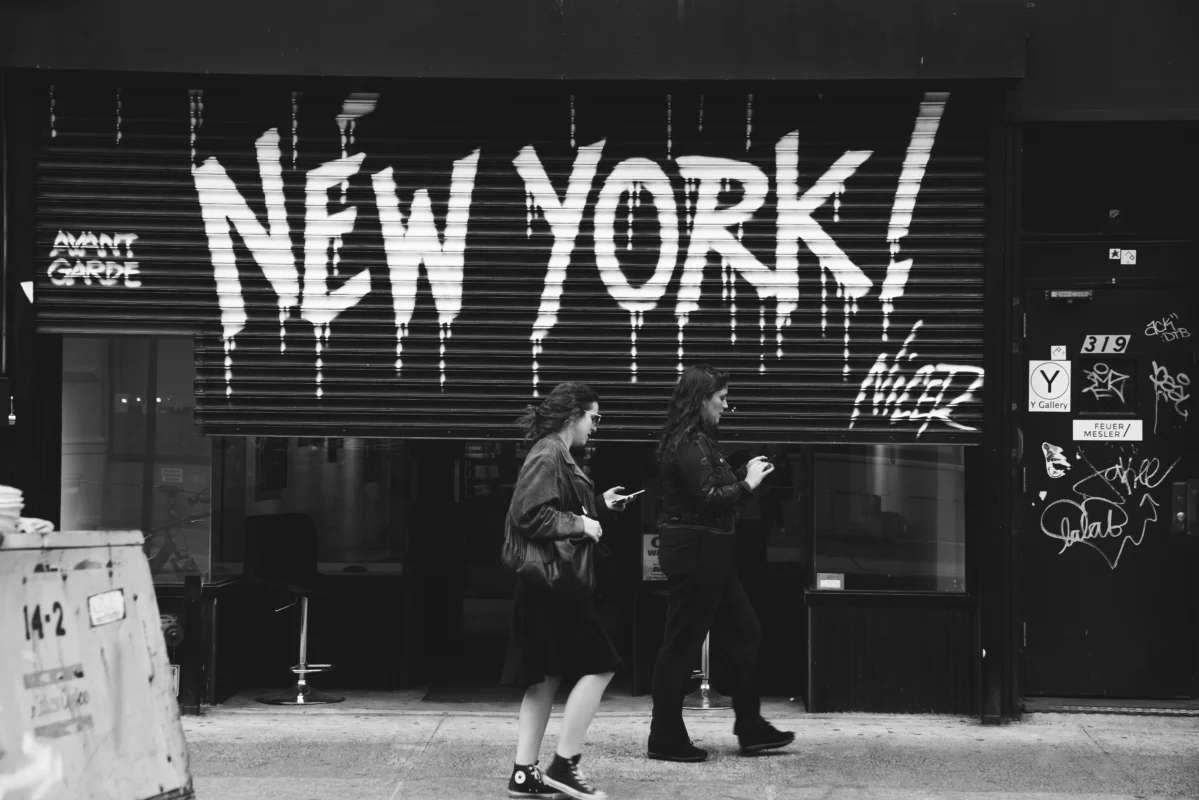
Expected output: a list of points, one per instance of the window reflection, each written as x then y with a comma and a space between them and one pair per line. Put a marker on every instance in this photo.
891, 516
355, 490
131, 456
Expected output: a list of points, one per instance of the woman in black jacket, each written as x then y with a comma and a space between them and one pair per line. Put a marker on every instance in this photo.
700, 494
555, 520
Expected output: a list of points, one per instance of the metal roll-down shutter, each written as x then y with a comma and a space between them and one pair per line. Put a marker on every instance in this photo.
422, 259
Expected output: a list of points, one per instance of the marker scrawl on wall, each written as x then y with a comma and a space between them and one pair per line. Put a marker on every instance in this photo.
1107, 500
1171, 388
705, 209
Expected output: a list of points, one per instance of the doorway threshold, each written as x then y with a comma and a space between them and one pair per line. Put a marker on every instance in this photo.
1108, 705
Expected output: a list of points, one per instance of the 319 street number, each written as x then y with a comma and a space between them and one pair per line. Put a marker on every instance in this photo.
1105, 343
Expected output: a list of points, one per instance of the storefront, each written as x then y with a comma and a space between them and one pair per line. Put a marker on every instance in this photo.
354, 287
354, 284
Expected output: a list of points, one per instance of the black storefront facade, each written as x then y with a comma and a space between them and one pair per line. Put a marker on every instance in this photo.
269, 293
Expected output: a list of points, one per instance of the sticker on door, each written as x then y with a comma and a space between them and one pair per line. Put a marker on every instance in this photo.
1049, 386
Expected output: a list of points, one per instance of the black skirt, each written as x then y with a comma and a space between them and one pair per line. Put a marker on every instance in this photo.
555, 633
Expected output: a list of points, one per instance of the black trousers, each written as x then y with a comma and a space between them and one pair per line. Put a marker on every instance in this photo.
705, 595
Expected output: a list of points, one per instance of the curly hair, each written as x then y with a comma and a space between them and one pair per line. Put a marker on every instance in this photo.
564, 405
684, 420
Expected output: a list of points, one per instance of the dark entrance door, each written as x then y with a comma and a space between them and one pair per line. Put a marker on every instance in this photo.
1108, 583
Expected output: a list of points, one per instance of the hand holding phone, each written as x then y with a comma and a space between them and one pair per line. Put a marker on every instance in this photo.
617, 501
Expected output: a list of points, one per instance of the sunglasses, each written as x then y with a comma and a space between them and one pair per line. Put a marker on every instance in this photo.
595, 418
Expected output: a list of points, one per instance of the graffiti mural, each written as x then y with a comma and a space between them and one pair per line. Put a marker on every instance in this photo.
1111, 507
566, 225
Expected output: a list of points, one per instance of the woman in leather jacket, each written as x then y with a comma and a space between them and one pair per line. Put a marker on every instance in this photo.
555, 629
700, 494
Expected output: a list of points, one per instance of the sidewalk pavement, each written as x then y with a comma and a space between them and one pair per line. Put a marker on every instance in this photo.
391, 745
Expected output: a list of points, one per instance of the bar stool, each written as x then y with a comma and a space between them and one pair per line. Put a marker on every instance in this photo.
705, 698
281, 553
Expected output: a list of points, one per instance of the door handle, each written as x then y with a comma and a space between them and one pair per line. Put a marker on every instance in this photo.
1184, 507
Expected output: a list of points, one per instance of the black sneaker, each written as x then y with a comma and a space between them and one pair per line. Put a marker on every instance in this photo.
565, 776
762, 737
527, 782
681, 750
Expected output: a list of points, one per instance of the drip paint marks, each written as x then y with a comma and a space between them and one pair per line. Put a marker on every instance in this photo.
381, 244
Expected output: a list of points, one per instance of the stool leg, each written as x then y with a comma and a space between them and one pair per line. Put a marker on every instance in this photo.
303, 663
706, 698
302, 694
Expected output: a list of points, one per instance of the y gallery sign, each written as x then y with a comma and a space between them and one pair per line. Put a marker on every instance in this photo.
1048, 385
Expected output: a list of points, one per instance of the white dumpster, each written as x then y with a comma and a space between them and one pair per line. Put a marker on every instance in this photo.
87, 709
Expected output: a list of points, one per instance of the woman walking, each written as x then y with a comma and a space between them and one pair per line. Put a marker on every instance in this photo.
552, 526
700, 494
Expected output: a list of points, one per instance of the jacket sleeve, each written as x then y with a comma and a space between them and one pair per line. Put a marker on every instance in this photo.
601, 508
537, 504
700, 474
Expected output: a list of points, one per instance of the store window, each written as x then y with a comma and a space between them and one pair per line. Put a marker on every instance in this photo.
353, 490
891, 517
131, 456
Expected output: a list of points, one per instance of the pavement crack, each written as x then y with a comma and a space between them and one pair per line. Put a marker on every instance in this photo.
413, 761
1132, 782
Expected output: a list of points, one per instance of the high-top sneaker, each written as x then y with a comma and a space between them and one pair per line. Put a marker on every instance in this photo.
527, 782
565, 776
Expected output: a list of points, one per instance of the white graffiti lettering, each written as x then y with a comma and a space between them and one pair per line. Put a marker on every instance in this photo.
224, 209
417, 242
1124, 477
636, 179
1100, 513
722, 198
915, 162
564, 217
711, 227
323, 232
1105, 382
1166, 329
893, 391
1172, 389
92, 259
795, 220
1095, 518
